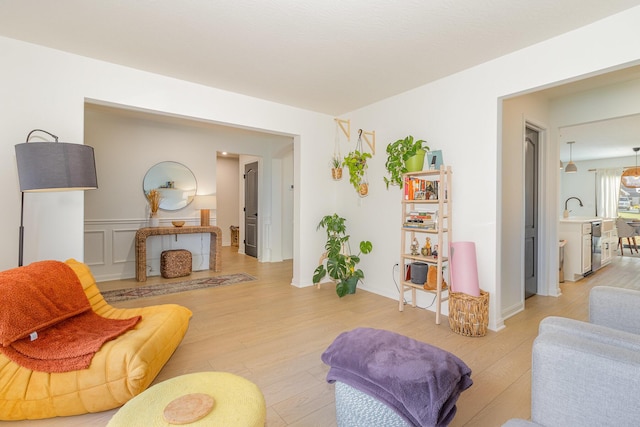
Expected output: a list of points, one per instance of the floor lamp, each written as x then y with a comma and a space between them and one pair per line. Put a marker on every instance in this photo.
52, 166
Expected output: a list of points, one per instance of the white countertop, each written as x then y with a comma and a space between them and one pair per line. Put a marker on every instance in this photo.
584, 219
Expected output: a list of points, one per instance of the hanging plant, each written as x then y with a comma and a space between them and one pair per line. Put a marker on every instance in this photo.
336, 160
356, 163
336, 168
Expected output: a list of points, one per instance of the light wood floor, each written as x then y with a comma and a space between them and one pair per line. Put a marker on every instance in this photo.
273, 334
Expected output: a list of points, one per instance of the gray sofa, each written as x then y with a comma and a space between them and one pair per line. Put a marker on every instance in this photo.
588, 374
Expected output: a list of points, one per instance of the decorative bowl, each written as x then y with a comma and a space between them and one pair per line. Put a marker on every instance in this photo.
177, 223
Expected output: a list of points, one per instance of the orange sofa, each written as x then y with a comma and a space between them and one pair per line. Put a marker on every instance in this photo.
120, 370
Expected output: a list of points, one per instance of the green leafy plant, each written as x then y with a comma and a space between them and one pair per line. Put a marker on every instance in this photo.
336, 162
340, 264
356, 163
397, 155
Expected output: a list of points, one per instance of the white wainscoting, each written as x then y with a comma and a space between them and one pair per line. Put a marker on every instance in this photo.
109, 247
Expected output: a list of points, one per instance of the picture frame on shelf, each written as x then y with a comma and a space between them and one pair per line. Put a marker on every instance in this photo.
434, 159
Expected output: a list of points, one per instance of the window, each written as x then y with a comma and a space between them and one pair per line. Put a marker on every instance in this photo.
629, 201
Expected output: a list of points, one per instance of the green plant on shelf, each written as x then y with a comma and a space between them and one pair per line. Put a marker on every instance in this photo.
400, 157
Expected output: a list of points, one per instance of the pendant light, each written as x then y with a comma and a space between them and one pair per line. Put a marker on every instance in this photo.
631, 176
571, 167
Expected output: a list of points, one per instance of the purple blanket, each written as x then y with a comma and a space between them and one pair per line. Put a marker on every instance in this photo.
417, 380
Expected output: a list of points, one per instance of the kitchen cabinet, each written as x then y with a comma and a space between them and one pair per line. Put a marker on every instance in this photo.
577, 251
585, 265
609, 241
581, 245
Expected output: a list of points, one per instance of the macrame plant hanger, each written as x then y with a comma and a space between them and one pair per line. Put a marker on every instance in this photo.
363, 186
336, 161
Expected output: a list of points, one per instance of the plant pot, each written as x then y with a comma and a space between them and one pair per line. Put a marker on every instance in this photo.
363, 189
415, 163
347, 286
336, 173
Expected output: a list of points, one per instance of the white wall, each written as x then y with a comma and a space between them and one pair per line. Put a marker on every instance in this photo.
582, 184
53, 98
516, 113
603, 103
459, 114
127, 144
287, 187
228, 194
616, 100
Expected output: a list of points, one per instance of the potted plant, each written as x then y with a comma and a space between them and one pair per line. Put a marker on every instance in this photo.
340, 264
336, 168
404, 155
356, 162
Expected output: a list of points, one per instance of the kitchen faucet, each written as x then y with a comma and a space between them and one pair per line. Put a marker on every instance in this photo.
565, 214
567, 201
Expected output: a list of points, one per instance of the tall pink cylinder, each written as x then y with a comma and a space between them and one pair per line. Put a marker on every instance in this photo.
464, 268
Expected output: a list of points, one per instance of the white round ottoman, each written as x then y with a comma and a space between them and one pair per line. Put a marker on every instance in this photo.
238, 402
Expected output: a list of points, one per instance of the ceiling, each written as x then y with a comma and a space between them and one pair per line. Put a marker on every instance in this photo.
602, 139
330, 56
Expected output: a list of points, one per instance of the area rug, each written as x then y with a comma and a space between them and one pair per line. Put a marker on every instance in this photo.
117, 295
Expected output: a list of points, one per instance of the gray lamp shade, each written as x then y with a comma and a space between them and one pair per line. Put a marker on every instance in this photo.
55, 166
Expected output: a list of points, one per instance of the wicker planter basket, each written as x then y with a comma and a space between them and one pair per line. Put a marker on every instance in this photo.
469, 315
336, 173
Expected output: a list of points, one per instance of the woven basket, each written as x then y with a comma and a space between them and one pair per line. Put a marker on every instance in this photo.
469, 315
175, 263
235, 230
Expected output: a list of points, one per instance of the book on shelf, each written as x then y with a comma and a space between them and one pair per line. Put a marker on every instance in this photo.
420, 189
421, 219
429, 226
422, 216
420, 224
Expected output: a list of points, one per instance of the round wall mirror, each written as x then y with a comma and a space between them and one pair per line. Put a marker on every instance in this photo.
175, 182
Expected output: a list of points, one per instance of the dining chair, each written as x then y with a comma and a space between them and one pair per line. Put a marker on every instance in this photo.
626, 231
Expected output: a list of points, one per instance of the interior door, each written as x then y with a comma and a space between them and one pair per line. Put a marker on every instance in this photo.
531, 212
251, 209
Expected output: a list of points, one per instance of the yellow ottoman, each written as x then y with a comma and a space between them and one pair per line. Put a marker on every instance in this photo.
238, 402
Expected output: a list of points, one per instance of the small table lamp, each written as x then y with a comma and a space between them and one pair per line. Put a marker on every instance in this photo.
204, 204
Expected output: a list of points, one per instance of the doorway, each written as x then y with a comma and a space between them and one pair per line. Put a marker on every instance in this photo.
531, 159
251, 209
110, 227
